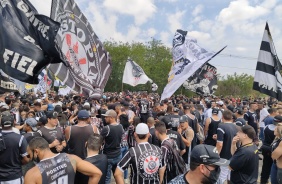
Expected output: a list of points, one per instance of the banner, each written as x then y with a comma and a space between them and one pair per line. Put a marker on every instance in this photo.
133, 74
204, 81
6, 84
188, 57
88, 63
45, 82
26, 40
268, 79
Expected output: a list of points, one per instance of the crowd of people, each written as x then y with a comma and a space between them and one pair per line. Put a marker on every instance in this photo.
132, 137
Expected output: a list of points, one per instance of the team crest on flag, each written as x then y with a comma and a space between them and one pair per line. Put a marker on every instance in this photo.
188, 57
88, 65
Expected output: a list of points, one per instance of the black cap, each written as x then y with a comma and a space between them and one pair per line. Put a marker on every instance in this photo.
7, 120
183, 119
167, 121
52, 114
277, 119
43, 120
238, 110
215, 111
175, 109
207, 155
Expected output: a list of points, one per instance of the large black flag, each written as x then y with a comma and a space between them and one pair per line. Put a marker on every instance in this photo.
204, 81
6, 84
26, 40
89, 65
268, 79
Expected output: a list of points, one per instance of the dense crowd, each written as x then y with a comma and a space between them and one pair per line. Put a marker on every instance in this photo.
134, 138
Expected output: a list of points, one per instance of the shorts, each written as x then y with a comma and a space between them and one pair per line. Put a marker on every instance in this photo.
224, 174
16, 181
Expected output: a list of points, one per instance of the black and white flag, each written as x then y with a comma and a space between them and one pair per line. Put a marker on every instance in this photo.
88, 63
268, 79
204, 81
188, 57
7, 84
26, 40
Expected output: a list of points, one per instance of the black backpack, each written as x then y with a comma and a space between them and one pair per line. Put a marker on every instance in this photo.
177, 160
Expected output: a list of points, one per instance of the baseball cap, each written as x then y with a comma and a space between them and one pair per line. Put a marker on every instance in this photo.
86, 104
175, 109
43, 120
277, 119
207, 155
215, 111
186, 107
50, 107
248, 130
142, 129
167, 122
183, 119
238, 110
110, 113
83, 114
220, 102
52, 114
7, 120
32, 123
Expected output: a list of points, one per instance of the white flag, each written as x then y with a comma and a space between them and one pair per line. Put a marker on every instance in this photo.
133, 74
188, 57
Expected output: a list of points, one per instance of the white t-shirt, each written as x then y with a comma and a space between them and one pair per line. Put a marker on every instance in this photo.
263, 114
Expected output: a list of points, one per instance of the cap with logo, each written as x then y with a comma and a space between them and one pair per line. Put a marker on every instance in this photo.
142, 129
32, 123
207, 155
110, 113
83, 114
7, 119
248, 130
52, 114
183, 119
167, 121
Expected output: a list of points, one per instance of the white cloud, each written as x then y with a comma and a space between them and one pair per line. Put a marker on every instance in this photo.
170, 1
151, 32
278, 11
174, 21
142, 10
206, 25
241, 10
197, 19
197, 10
165, 38
241, 49
43, 7
201, 37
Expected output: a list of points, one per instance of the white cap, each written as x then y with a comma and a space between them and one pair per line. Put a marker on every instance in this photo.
220, 102
142, 129
86, 104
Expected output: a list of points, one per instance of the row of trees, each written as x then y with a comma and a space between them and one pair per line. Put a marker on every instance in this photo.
156, 59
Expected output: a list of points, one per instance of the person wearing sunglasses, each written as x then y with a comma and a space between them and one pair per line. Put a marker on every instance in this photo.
204, 166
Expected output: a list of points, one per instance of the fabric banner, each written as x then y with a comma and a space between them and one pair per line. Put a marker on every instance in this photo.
133, 74
188, 57
7, 84
204, 81
45, 82
26, 40
88, 63
268, 79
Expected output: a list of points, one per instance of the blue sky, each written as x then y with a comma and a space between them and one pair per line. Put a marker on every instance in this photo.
214, 23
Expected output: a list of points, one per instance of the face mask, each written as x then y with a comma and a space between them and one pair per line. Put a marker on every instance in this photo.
213, 177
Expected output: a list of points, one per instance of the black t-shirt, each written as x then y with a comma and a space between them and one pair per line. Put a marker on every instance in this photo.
153, 138
240, 122
50, 134
144, 106
174, 121
101, 162
251, 118
112, 135
57, 169
245, 164
30, 135
269, 134
145, 160
10, 158
177, 138
225, 134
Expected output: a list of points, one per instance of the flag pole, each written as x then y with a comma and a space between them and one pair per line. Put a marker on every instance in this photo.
121, 86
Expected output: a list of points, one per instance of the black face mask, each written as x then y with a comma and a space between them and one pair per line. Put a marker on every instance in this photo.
213, 177
35, 160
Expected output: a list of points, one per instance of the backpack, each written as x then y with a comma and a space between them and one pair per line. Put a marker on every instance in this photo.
176, 160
